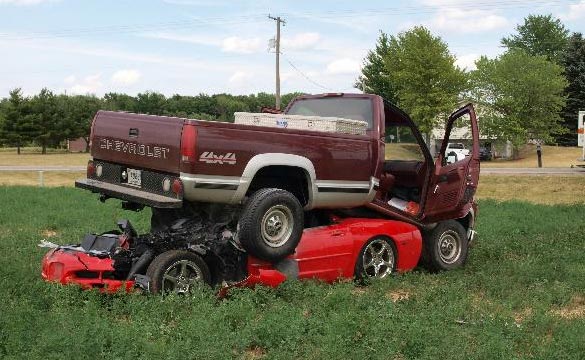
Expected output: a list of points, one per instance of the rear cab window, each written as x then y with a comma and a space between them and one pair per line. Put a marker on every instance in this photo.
341, 107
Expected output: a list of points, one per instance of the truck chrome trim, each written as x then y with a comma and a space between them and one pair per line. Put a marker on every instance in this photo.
216, 186
342, 193
210, 188
344, 190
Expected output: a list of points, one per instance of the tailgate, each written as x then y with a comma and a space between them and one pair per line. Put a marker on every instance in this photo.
142, 141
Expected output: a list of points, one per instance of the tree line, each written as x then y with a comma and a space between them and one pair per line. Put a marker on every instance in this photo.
48, 119
533, 90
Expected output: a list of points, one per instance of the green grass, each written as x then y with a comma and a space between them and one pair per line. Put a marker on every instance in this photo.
520, 296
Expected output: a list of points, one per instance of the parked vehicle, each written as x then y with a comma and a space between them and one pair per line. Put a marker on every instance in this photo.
217, 189
485, 152
457, 150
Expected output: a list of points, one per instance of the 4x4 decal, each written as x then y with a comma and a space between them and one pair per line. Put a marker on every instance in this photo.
210, 158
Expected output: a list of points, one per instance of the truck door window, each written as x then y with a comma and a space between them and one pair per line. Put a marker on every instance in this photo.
400, 144
459, 140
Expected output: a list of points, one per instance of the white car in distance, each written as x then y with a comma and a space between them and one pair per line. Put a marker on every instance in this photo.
455, 152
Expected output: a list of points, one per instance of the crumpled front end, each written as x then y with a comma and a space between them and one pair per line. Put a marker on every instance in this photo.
90, 272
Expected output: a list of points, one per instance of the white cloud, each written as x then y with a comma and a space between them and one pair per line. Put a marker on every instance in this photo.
467, 62
576, 12
343, 66
25, 2
90, 85
240, 77
126, 77
467, 21
301, 41
70, 79
235, 44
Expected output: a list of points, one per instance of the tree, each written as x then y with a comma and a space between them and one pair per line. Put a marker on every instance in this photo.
16, 128
79, 112
424, 75
48, 119
574, 63
540, 35
374, 77
119, 102
520, 96
150, 103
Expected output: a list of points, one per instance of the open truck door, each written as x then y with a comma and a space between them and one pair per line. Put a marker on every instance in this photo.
454, 179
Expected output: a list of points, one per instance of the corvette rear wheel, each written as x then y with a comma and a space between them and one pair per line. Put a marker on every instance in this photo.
177, 271
377, 259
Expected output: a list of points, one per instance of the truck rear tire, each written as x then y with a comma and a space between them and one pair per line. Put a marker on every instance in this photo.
271, 224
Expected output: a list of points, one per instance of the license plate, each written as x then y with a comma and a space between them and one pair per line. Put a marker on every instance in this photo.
134, 177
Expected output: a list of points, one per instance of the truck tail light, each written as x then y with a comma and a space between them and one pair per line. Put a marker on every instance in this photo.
90, 169
188, 147
177, 187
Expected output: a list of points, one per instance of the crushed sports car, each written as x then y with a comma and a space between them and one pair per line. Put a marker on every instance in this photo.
335, 186
202, 250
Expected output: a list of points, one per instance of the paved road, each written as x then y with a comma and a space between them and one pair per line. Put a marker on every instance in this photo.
532, 171
42, 168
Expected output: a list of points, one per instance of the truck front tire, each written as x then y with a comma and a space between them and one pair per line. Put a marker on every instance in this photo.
271, 224
445, 247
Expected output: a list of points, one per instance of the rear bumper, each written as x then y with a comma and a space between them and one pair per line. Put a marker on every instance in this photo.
129, 194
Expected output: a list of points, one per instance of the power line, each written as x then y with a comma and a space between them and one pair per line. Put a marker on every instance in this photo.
251, 18
306, 76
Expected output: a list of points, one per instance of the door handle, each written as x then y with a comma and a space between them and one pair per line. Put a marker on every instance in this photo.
133, 132
337, 233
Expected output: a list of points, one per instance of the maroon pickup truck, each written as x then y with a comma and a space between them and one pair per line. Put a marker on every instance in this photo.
277, 173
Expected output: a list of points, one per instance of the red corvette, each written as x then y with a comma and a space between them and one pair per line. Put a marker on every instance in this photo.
347, 248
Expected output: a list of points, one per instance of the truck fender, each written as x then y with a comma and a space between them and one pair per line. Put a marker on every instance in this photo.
277, 159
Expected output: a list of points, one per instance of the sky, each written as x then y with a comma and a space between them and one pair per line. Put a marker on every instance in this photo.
189, 47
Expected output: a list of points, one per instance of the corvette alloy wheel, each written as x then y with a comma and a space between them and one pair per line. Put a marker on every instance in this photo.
378, 258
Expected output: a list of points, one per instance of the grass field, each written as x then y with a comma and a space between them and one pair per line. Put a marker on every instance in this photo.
552, 156
521, 295
57, 158
547, 190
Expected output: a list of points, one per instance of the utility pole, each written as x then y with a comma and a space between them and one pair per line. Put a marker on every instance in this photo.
278, 20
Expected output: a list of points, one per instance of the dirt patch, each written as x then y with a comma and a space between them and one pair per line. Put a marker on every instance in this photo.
255, 352
398, 295
358, 291
574, 310
48, 233
520, 316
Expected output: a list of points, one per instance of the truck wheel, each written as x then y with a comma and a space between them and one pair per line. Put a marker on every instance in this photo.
445, 247
271, 224
376, 260
177, 271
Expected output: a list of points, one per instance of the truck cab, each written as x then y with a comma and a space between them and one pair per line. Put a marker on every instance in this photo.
413, 185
